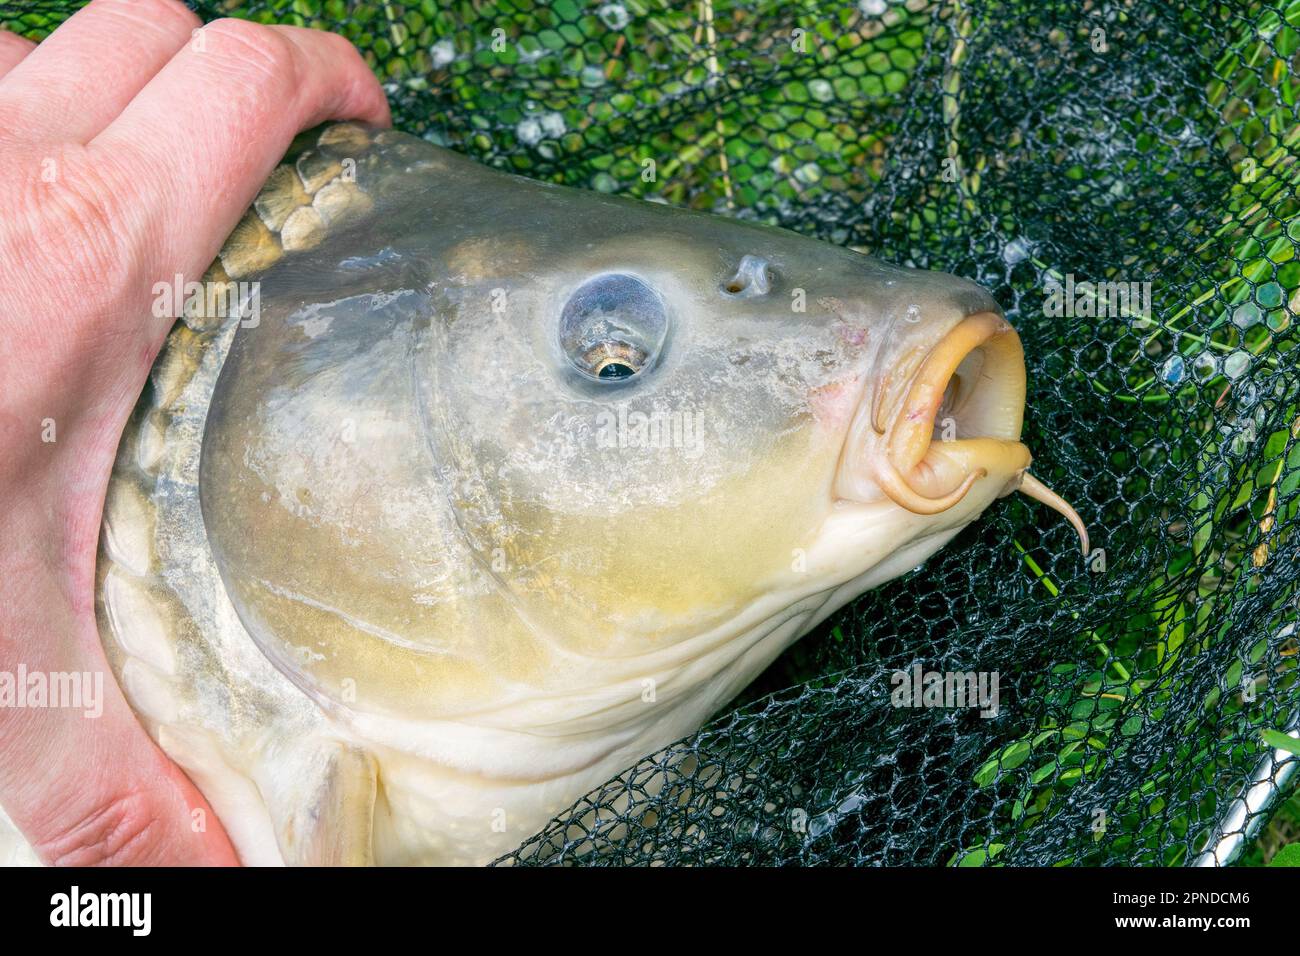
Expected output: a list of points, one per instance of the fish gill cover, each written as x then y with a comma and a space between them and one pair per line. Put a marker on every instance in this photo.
1123, 177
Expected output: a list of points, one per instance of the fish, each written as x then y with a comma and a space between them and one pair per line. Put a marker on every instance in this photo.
455, 493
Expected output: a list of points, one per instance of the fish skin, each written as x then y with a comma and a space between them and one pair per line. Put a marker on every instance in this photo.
402, 540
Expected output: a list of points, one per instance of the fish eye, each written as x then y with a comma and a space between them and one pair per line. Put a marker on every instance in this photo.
613, 327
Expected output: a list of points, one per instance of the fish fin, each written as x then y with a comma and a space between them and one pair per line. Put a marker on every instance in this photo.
229, 792
322, 803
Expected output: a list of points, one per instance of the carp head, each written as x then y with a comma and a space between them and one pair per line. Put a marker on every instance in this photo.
522, 483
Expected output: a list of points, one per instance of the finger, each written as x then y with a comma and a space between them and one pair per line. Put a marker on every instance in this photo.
214, 122
12, 49
78, 775
85, 73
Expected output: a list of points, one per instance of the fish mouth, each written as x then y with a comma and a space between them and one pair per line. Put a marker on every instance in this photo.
954, 422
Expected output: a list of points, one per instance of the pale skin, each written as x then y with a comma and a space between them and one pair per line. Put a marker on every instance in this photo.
131, 146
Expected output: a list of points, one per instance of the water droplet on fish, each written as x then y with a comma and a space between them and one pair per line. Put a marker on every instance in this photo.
1204, 367
553, 125
442, 53
808, 173
1245, 315
1269, 295
1017, 251
1236, 364
821, 91
614, 15
529, 131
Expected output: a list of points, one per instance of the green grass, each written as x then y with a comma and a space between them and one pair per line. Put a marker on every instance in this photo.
1134, 657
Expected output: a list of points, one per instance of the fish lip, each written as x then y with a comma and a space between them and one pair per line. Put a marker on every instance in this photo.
975, 372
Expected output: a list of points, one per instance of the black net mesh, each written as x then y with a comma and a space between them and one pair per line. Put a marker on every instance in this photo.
1028, 145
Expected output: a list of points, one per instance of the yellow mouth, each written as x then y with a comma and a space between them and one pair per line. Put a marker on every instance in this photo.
958, 421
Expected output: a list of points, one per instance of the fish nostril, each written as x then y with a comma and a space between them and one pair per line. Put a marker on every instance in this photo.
753, 277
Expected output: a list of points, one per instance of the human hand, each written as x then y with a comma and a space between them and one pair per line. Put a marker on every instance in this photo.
131, 144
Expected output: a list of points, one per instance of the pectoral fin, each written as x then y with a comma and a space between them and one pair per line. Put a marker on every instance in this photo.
322, 803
